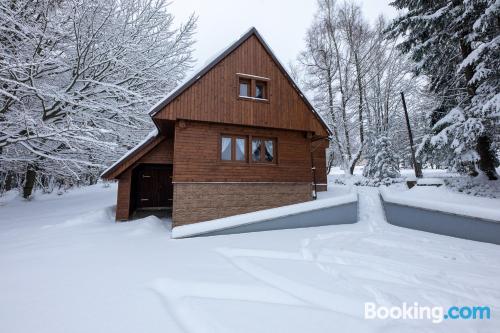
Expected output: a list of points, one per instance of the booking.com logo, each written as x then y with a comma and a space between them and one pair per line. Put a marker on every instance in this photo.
436, 313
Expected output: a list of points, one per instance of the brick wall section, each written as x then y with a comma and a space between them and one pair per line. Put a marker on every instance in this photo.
196, 202
321, 188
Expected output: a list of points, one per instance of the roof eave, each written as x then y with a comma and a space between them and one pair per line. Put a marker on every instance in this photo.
110, 173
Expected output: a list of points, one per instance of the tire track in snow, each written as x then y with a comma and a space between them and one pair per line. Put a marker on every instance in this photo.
176, 296
363, 265
384, 278
314, 297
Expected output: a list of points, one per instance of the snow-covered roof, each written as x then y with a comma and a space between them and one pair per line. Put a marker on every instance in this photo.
211, 62
151, 135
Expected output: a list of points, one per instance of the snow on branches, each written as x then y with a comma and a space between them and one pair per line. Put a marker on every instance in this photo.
77, 79
456, 44
382, 160
355, 75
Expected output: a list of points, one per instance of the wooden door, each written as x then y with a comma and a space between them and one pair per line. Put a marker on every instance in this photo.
153, 184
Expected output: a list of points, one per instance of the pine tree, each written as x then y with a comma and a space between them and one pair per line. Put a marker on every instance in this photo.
381, 159
456, 44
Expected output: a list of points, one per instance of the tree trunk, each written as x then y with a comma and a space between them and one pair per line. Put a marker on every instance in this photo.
360, 92
355, 160
357, 156
416, 165
8, 181
342, 92
29, 181
329, 165
332, 112
486, 157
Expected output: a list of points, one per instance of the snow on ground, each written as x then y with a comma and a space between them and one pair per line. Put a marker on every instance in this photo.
323, 201
476, 186
67, 267
444, 200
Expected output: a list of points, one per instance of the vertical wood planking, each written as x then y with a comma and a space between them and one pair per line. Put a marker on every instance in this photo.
214, 97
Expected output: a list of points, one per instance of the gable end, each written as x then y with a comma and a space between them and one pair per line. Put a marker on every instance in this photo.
218, 59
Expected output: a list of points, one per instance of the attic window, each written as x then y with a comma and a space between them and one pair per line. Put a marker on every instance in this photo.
253, 87
244, 87
260, 89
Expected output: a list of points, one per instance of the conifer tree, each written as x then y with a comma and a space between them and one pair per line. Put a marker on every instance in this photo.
457, 45
382, 160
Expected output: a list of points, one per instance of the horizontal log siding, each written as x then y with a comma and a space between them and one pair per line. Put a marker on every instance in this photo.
196, 155
214, 97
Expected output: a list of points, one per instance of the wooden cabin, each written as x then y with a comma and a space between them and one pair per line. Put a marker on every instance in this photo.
237, 137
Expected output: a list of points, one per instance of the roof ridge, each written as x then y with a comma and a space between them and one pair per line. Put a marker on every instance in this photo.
190, 80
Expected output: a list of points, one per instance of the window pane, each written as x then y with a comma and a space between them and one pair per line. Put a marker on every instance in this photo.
256, 143
244, 88
269, 150
240, 149
225, 149
259, 89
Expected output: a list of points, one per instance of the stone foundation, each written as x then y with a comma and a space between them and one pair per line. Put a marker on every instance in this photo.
196, 202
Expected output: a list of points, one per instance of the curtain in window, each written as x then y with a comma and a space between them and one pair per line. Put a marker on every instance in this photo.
269, 155
244, 89
226, 149
256, 143
259, 91
240, 149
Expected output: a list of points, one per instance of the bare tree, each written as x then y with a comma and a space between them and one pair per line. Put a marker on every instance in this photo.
338, 52
76, 79
355, 75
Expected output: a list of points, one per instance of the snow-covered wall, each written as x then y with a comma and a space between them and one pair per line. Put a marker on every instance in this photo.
443, 223
328, 211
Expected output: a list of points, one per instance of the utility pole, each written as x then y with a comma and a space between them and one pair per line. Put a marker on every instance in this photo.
416, 166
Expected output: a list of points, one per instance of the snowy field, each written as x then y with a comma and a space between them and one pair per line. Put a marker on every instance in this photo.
67, 267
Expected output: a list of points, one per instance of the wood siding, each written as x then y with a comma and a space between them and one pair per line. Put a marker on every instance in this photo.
319, 161
123, 196
197, 159
162, 153
214, 97
157, 150
195, 117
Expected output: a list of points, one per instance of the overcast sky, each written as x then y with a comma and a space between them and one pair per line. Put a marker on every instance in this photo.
282, 23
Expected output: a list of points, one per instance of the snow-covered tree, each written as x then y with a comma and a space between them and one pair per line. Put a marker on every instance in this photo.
382, 160
456, 44
339, 52
355, 75
76, 80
